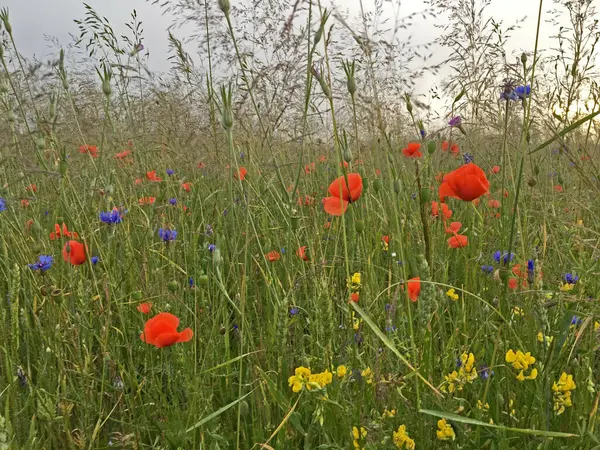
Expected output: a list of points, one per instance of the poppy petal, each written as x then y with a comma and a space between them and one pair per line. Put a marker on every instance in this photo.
186, 335
335, 206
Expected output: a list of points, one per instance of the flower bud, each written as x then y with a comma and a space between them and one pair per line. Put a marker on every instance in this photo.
377, 185
295, 220
523, 58
531, 182
203, 281
137, 296
106, 89
347, 155
397, 186
224, 6
359, 225
431, 147
318, 35
227, 119
40, 142
63, 167
425, 195
172, 285
217, 259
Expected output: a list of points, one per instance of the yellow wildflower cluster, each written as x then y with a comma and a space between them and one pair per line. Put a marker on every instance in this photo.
522, 362
566, 287
389, 414
358, 437
355, 322
368, 376
445, 432
518, 311
547, 340
562, 393
402, 439
452, 294
354, 282
303, 377
466, 374
341, 371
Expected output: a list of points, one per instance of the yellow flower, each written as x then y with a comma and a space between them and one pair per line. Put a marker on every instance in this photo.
596, 326
566, 287
518, 311
544, 339
341, 371
481, 405
452, 294
532, 375
466, 373
389, 414
299, 379
445, 431
319, 380
358, 435
521, 362
402, 440
367, 374
562, 393
354, 282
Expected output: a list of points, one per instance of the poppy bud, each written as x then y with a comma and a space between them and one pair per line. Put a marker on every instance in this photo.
365, 182
172, 285
531, 182
44, 291
137, 296
222, 330
351, 86
318, 35
408, 104
217, 259
397, 186
359, 225
376, 185
560, 179
203, 281
295, 220
504, 274
431, 147
106, 89
40, 143
425, 195
523, 58
227, 118
11, 116
347, 155
224, 6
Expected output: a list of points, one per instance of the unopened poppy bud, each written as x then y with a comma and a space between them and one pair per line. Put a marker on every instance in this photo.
172, 285
376, 185
347, 155
523, 58
137, 296
106, 89
425, 195
224, 6
44, 291
504, 274
11, 116
318, 35
62, 167
531, 182
359, 225
397, 186
365, 181
431, 147
351, 85
40, 142
227, 119
560, 179
408, 104
52, 109
295, 222
203, 281
217, 259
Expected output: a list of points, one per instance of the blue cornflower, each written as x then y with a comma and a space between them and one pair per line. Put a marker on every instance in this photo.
485, 372
487, 269
191, 282
95, 260
530, 265
504, 256
44, 263
468, 158
113, 216
571, 278
575, 320
170, 172
522, 91
2, 204
242, 154
212, 247
173, 201
390, 328
456, 121
388, 307
413, 195
293, 311
422, 131
167, 235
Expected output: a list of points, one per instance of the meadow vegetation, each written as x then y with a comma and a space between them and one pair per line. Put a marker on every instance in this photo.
281, 244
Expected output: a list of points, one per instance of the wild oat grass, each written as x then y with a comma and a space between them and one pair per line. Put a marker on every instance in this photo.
284, 248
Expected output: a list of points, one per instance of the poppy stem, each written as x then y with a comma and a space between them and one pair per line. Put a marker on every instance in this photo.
424, 222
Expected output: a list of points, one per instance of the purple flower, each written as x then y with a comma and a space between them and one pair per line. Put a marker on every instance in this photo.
111, 217
293, 311
167, 235
95, 260
212, 247
173, 201
456, 121
44, 263
170, 172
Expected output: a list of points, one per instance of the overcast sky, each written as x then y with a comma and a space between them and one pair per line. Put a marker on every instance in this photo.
32, 20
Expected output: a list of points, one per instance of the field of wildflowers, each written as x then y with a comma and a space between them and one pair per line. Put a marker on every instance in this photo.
300, 255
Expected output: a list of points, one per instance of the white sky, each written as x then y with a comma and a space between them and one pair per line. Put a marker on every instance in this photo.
33, 19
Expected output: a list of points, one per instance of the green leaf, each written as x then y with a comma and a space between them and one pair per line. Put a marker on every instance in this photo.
231, 361
218, 412
565, 131
457, 418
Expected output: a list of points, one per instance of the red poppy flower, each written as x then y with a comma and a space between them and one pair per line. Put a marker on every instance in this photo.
454, 227
414, 288
377, 172
122, 155
445, 146
91, 150
505, 193
56, 234
273, 255
309, 168
151, 176
301, 252
306, 201
385, 239
412, 150
138, 181
513, 283
201, 165
322, 158
74, 253
354, 297
493, 203
344, 163
558, 188
496, 169
458, 241
161, 331
144, 308
31, 188
146, 201
455, 149
435, 210
24, 203
187, 187
341, 195
466, 183
241, 175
